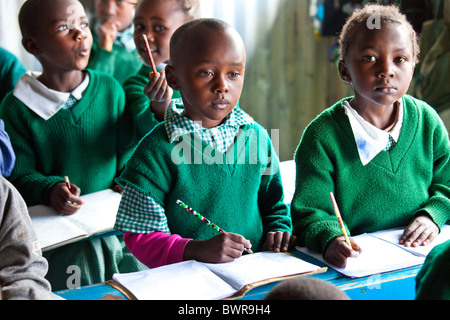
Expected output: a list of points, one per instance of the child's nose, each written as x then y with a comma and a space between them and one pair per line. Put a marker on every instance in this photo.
110, 7
221, 85
79, 33
150, 36
386, 69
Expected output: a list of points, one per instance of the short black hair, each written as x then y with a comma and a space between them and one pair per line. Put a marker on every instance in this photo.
183, 32
385, 14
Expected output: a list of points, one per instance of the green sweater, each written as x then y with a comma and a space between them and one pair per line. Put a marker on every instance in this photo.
89, 142
139, 104
11, 69
118, 62
433, 280
231, 192
388, 192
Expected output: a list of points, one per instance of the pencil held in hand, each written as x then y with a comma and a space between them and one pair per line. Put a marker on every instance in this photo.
202, 218
149, 51
66, 179
199, 216
338, 216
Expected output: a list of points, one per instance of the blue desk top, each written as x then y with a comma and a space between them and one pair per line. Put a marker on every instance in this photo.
394, 285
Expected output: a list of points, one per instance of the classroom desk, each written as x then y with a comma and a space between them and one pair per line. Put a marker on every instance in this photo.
394, 285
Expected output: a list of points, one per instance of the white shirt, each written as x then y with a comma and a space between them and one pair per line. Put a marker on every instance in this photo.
371, 140
40, 99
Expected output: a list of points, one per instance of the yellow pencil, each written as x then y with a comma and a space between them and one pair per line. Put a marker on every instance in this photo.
338, 216
66, 179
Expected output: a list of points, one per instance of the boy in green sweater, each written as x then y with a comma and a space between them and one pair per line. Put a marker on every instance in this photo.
384, 154
68, 122
147, 93
113, 50
206, 148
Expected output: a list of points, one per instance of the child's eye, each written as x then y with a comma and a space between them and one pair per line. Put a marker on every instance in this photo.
159, 28
401, 59
62, 27
233, 75
139, 27
369, 58
206, 74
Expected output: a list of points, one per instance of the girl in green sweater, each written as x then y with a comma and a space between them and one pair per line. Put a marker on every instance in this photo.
384, 154
68, 121
147, 93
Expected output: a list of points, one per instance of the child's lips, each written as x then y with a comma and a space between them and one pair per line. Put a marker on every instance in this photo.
83, 52
386, 88
220, 103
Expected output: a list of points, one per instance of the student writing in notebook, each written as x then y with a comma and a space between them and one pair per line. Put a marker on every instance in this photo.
113, 50
204, 146
384, 154
147, 93
67, 121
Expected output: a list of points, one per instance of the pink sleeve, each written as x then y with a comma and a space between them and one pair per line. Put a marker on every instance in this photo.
157, 248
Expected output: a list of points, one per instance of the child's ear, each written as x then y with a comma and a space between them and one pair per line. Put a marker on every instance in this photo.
30, 44
343, 72
171, 77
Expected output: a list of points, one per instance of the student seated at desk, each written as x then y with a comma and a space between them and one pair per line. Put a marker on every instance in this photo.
245, 199
68, 121
113, 50
384, 154
147, 93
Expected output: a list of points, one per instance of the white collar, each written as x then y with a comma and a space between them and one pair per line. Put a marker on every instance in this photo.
371, 140
40, 99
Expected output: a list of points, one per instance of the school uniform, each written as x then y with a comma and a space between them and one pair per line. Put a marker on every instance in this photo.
380, 180
84, 134
228, 173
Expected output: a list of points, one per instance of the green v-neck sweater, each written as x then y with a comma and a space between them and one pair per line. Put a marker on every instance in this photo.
89, 143
412, 178
233, 190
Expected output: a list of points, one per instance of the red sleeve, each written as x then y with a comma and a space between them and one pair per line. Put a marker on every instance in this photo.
157, 248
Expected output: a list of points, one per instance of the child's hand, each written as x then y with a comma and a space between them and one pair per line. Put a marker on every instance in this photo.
64, 200
279, 241
224, 247
107, 33
421, 231
159, 92
117, 188
338, 251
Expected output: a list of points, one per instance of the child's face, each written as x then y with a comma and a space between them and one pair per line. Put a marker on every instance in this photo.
158, 20
379, 65
117, 10
209, 75
63, 41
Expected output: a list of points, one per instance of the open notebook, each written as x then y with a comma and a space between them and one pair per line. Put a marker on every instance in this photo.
97, 215
192, 280
381, 252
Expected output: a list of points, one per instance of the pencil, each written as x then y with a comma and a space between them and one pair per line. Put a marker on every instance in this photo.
66, 179
338, 216
149, 54
202, 218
